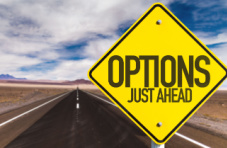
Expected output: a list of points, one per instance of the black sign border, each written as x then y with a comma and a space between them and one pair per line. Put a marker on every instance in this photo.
126, 111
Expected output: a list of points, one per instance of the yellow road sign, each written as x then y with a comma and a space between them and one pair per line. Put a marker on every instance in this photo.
158, 73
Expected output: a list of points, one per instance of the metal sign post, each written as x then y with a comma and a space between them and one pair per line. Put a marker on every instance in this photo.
154, 145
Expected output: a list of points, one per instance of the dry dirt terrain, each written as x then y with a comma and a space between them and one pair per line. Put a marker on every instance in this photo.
81, 86
88, 120
15, 97
211, 117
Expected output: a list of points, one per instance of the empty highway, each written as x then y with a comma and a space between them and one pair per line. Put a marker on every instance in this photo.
79, 119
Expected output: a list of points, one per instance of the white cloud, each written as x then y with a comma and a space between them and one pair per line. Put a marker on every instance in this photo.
70, 20
209, 38
11, 62
96, 48
66, 70
220, 52
40, 27
71, 70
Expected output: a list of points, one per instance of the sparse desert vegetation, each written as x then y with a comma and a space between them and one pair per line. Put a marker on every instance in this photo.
216, 106
211, 117
15, 97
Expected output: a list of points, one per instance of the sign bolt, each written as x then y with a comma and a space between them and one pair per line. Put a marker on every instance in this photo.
159, 124
159, 22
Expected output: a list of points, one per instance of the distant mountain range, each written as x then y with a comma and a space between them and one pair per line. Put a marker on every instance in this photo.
78, 81
9, 77
6, 78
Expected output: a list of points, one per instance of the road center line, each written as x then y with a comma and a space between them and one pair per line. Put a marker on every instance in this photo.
178, 134
77, 105
37, 107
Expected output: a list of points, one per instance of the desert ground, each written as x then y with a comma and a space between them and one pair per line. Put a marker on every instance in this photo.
210, 118
13, 96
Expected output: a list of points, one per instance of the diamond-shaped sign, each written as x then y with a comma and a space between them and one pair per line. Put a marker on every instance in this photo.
158, 73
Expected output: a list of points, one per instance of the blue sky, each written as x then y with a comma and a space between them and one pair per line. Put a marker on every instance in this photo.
61, 40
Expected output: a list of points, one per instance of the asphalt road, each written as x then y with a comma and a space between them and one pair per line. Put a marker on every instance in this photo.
81, 120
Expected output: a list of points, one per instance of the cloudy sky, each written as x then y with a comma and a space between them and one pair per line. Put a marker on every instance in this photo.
61, 39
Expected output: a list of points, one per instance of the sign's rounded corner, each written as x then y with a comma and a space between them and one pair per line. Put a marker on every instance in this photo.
89, 74
160, 142
158, 4
225, 73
